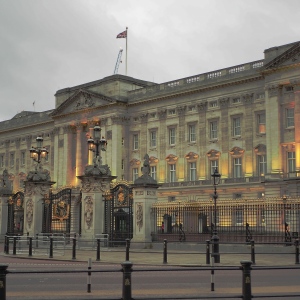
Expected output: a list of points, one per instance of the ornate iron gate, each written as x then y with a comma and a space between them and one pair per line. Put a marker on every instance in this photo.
57, 212
15, 218
118, 213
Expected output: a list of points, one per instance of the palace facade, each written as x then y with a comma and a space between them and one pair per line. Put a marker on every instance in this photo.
243, 120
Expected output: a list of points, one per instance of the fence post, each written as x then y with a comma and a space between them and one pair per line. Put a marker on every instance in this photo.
127, 249
165, 261
98, 250
89, 280
3, 281
126, 291
297, 252
74, 249
207, 252
51, 248
7, 245
246, 284
30, 247
15, 246
37, 241
252, 252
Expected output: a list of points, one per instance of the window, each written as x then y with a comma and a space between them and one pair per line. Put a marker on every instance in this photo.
239, 217
46, 155
261, 123
290, 117
172, 172
213, 104
12, 159
172, 112
193, 171
192, 133
153, 138
236, 100
213, 127
237, 167
291, 162
122, 164
2, 161
236, 126
135, 141
262, 164
22, 158
153, 172
214, 164
172, 137
135, 174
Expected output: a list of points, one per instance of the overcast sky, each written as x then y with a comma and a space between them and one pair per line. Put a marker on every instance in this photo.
47, 45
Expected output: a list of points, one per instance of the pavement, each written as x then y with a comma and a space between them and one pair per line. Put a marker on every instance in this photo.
178, 254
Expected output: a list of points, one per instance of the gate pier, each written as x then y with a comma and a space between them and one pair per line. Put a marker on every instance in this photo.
144, 194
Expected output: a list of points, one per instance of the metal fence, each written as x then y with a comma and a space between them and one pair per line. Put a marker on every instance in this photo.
264, 220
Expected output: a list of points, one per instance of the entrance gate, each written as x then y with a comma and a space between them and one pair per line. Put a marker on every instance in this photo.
57, 216
118, 213
15, 218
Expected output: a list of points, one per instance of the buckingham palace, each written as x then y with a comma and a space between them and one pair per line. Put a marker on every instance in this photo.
242, 120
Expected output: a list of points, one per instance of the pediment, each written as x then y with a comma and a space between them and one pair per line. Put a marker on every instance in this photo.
82, 100
287, 58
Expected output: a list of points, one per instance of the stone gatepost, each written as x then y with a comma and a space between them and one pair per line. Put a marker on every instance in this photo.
95, 183
5, 194
37, 186
144, 195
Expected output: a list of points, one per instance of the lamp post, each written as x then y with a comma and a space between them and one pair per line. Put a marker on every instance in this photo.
97, 144
215, 239
38, 152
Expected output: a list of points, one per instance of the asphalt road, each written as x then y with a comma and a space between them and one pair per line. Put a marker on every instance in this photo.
147, 281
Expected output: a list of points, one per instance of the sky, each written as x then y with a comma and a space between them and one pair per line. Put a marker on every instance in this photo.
47, 45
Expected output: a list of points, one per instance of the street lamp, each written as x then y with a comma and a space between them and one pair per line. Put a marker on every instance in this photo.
96, 144
215, 239
38, 152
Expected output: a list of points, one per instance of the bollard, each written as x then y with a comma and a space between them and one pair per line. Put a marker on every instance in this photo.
15, 246
30, 247
3, 281
98, 250
297, 252
252, 252
246, 284
126, 290
51, 248
89, 279
127, 249
74, 249
212, 274
165, 260
207, 252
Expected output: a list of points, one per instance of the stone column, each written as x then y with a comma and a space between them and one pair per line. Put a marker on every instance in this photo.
5, 193
92, 216
297, 124
3, 214
35, 192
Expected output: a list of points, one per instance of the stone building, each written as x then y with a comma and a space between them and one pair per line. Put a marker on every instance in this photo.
243, 119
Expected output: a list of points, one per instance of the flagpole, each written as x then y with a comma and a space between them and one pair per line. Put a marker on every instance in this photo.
126, 49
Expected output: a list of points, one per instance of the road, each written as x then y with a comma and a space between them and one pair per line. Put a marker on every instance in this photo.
108, 285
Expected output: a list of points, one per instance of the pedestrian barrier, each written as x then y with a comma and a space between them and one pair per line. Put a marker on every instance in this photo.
128, 285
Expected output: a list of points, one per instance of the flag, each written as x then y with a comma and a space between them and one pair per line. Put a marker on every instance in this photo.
122, 35
33, 103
